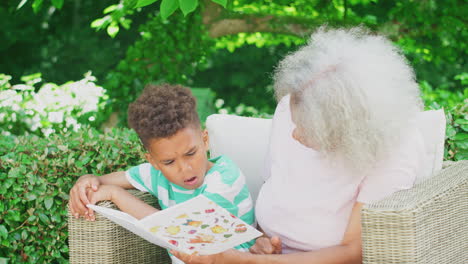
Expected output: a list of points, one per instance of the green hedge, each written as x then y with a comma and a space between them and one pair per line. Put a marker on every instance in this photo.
36, 175
456, 135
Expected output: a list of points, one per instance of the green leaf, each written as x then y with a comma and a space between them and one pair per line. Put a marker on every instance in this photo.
188, 6
37, 5
461, 155
142, 3
462, 144
21, 4
32, 79
44, 218
48, 202
109, 9
450, 132
221, 2
130, 3
113, 29
168, 7
24, 235
3, 231
57, 3
30, 196
461, 121
99, 23
13, 216
125, 23
461, 136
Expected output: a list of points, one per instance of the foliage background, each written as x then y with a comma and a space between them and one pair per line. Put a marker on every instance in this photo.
100, 54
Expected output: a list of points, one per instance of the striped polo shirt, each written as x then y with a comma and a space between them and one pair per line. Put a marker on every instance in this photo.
224, 184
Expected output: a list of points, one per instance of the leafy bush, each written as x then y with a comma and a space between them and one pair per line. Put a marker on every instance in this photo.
51, 108
455, 105
36, 175
164, 53
456, 144
244, 76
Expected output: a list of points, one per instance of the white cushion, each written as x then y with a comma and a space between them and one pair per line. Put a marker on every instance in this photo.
432, 124
243, 139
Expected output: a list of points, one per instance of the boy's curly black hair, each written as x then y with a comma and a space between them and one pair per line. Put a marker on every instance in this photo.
161, 111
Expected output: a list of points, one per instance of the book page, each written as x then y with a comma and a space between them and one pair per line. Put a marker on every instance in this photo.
131, 224
199, 226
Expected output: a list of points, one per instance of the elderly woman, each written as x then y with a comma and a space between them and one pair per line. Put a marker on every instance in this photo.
342, 136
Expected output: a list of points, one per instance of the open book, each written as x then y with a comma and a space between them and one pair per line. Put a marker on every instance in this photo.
198, 225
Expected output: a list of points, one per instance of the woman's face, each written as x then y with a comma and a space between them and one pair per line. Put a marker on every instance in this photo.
298, 132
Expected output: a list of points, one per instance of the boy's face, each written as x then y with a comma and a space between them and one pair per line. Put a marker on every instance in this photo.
182, 158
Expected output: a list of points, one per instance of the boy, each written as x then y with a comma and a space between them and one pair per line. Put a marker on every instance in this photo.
166, 120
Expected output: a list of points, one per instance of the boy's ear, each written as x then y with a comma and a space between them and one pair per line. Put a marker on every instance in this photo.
151, 161
206, 139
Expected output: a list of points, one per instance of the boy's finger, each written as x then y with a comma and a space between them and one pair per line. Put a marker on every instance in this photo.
73, 208
262, 246
80, 208
82, 193
276, 244
90, 212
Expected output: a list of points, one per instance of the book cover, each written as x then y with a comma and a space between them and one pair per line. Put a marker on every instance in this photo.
198, 225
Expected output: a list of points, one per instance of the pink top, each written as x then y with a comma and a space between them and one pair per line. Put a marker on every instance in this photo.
307, 202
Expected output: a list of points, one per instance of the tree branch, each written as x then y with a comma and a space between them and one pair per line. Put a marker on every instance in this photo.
265, 23
221, 22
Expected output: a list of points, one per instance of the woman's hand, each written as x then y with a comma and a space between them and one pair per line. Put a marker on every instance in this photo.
226, 257
78, 197
265, 245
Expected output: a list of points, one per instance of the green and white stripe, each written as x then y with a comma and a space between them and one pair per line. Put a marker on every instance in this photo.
224, 183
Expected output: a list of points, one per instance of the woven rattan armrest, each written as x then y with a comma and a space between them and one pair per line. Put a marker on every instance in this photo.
102, 241
425, 224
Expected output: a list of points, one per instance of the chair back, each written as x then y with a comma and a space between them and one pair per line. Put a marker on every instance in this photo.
245, 140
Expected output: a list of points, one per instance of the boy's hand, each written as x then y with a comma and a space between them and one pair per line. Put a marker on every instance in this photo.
104, 193
265, 245
78, 195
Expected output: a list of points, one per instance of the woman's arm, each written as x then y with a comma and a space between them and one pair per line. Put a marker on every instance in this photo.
349, 251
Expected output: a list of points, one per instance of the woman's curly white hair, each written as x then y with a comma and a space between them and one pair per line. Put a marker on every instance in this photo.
352, 92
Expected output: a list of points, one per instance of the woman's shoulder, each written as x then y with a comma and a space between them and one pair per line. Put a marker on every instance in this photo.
398, 170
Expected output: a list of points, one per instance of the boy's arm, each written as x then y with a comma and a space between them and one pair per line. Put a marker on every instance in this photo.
116, 178
123, 199
78, 197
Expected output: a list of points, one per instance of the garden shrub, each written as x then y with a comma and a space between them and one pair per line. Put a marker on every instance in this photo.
456, 137
455, 105
164, 53
36, 175
26, 109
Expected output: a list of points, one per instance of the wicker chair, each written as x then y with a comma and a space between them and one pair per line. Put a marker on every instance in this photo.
426, 224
